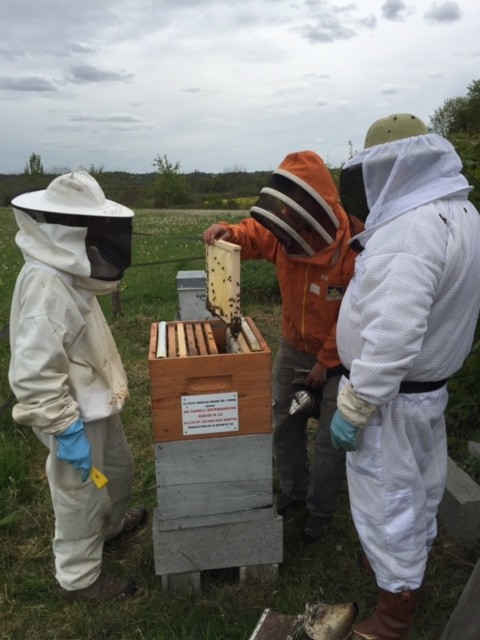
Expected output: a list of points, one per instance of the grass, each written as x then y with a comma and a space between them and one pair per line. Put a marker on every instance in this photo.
226, 610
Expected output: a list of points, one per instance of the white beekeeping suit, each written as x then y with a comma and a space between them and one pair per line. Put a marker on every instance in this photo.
66, 372
406, 324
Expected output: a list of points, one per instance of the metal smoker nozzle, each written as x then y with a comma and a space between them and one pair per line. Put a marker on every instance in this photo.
302, 401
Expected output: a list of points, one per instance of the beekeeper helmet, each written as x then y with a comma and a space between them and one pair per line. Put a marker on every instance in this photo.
394, 127
351, 182
298, 204
77, 200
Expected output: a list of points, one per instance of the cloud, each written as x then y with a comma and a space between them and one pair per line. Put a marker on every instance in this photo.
369, 22
114, 117
86, 74
8, 54
443, 12
30, 83
389, 89
328, 29
76, 47
332, 23
113, 121
394, 10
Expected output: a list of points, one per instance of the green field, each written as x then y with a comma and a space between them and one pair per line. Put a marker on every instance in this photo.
164, 243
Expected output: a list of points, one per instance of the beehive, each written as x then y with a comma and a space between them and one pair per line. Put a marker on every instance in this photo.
199, 389
210, 387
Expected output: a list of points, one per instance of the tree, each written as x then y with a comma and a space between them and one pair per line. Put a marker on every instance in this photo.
96, 171
458, 120
34, 166
459, 115
171, 187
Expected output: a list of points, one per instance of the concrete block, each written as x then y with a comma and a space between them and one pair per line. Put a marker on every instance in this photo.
232, 544
188, 584
259, 573
459, 510
474, 449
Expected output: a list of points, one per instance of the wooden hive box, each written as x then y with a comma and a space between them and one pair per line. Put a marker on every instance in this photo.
199, 389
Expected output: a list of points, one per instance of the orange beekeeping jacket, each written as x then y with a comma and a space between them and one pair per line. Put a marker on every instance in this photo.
311, 288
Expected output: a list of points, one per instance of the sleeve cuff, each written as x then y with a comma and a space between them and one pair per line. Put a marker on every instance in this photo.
353, 408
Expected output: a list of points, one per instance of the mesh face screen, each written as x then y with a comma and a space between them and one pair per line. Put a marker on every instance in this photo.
292, 215
304, 201
108, 243
352, 192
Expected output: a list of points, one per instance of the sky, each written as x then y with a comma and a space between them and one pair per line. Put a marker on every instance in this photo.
218, 85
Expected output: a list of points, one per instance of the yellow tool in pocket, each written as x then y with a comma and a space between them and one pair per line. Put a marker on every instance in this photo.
98, 478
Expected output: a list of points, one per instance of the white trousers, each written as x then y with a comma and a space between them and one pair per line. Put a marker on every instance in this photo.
85, 515
396, 481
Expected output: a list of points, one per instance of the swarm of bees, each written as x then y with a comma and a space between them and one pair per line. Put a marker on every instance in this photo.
218, 304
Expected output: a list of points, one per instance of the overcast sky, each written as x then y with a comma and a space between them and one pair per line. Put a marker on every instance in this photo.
219, 85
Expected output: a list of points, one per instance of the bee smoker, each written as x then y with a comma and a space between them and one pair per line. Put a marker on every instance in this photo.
304, 400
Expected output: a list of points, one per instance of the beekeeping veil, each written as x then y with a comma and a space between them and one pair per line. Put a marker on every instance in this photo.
351, 184
299, 204
386, 180
71, 226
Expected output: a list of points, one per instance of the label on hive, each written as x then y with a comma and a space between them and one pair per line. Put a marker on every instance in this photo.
210, 413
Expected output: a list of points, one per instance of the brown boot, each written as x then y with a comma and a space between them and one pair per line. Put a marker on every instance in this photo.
392, 618
104, 588
133, 518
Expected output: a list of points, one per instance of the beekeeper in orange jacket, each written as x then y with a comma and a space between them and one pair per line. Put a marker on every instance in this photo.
299, 225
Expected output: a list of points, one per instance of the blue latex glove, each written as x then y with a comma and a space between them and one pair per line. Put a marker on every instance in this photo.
74, 448
344, 434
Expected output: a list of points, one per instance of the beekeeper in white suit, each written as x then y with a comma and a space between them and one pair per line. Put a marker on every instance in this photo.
67, 375
406, 325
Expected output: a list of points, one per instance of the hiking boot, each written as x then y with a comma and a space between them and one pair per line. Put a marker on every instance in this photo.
104, 588
392, 619
286, 503
314, 528
133, 518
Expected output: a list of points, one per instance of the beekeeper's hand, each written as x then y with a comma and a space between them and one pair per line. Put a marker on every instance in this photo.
74, 448
317, 376
216, 232
344, 434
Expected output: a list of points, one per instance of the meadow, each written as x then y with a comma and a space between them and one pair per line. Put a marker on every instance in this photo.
164, 243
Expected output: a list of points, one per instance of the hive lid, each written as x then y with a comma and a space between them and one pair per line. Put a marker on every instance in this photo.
190, 279
223, 283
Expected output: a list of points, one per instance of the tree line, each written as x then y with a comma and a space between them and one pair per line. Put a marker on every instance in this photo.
458, 120
162, 189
